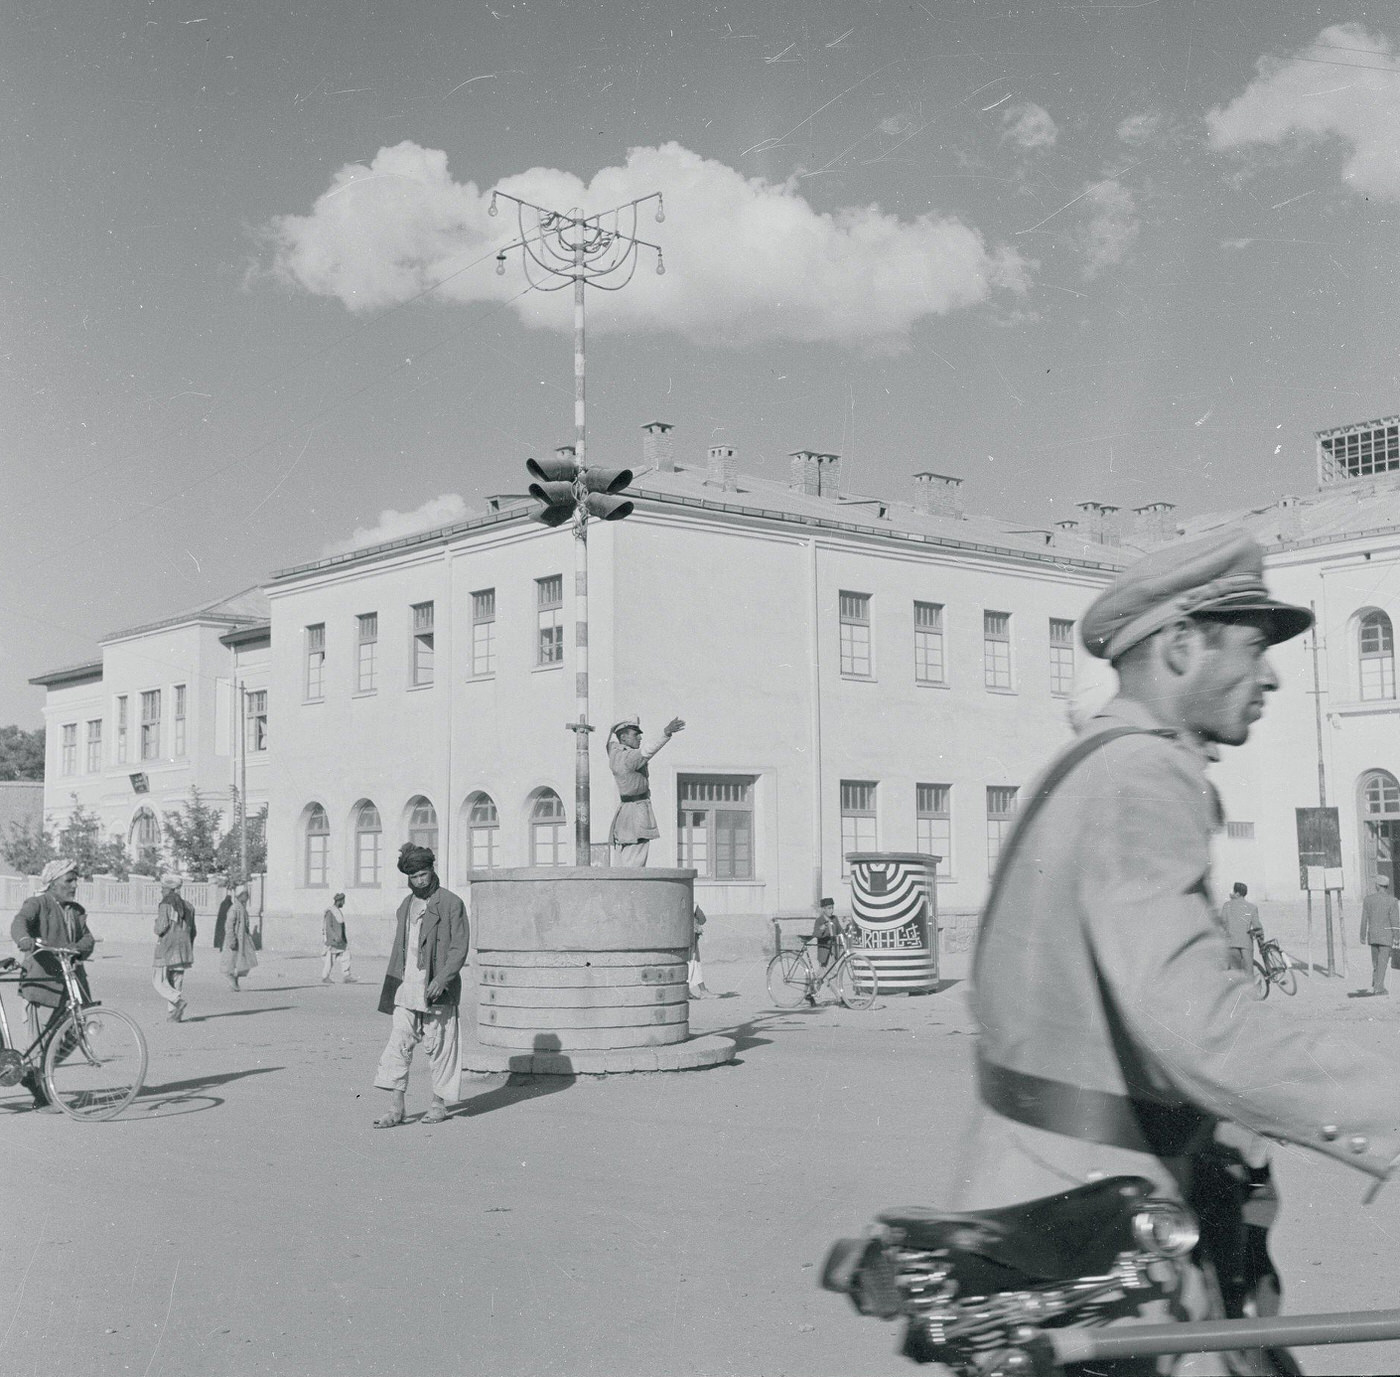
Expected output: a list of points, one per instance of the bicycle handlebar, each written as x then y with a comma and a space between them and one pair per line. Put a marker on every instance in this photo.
57, 951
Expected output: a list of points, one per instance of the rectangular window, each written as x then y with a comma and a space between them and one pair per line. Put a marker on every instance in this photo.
714, 825
1240, 831
68, 757
178, 749
422, 643
858, 831
94, 747
1061, 656
366, 652
255, 720
855, 634
933, 824
484, 632
928, 643
996, 649
150, 725
121, 729
549, 604
1001, 809
316, 662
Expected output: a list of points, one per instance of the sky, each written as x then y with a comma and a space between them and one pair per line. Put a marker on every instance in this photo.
1117, 252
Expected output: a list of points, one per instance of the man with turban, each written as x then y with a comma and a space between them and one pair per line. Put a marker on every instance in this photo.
423, 987
174, 945
53, 918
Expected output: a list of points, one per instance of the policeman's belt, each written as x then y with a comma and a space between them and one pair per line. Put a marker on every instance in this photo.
636, 798
1092, 1116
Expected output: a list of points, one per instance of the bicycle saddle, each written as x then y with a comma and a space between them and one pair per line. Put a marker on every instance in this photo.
1076, 1233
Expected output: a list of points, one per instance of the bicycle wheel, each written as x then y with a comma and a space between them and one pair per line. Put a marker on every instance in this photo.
1284, 976
857, 984
1259, 987
95, 1063
789, 979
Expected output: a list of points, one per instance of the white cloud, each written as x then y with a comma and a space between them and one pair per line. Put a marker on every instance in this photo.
392, 525
1111, 228
1030, 126
747, 260
1137, 130
1352, 96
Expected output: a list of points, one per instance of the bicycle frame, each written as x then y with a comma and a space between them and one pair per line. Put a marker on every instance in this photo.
33, 1055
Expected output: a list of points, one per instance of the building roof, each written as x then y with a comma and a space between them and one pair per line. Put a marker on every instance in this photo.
252, 634
69, 675
765, 498
248, 606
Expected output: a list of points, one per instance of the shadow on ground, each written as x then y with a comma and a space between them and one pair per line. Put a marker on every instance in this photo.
240, 1013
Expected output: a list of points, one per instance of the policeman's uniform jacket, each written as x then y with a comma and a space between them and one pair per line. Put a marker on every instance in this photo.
634, 820
1112, 1034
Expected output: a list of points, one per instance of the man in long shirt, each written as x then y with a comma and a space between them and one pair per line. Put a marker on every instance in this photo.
337, 944
1380, 930
1113, 1038
634, 823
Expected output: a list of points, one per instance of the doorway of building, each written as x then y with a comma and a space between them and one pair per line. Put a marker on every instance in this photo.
1380, 828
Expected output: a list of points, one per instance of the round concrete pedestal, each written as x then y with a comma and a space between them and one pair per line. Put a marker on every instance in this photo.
582, 970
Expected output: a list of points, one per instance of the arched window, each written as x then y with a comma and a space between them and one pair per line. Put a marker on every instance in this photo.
145, 831
547, 824
483, 832
423, 824
1376, 643
1379, 799
369, 834
318, 840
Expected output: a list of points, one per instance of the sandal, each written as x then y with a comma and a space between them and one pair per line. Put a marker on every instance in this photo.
437, 1114
390, 1120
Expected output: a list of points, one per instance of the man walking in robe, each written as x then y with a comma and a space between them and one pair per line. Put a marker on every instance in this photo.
634, 824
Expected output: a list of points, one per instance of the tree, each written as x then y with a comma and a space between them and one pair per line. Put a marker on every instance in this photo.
21, 753
28, 848
192, 832
80, 840
229, 855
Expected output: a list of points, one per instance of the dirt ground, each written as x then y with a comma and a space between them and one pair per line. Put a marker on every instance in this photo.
244, 1218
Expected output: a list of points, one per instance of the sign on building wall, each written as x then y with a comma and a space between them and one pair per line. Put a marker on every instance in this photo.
1319, 848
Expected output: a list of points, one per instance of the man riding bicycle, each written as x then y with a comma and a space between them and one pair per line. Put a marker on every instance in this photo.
51, 919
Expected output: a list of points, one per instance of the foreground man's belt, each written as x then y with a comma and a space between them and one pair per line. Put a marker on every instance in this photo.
635, 798
1092, 1116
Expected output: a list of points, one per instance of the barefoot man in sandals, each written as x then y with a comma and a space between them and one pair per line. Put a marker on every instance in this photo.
422, 988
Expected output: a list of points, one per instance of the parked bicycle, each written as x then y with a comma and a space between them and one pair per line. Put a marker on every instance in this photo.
793, 977
92, 1060
1272, 968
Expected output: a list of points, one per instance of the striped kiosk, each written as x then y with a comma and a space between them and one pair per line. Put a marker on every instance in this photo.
895, 907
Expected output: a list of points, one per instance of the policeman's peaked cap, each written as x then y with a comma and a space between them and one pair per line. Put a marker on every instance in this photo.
1218, 575
627, 723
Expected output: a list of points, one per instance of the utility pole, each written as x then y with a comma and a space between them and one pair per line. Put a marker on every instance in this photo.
1321, 790
556, 249
242, 783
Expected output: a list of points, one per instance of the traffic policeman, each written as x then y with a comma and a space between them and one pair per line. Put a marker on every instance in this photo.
1113, 1039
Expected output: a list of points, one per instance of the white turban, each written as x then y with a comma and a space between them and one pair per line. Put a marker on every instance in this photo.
56, 870
170, 880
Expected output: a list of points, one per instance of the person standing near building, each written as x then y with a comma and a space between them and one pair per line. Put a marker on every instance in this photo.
52, 918
175, 931
221, 918
634, 824
695, 972
825, 931
423, 987
337, 949
1240, 919
1380, 929
239, 957
1112, 1040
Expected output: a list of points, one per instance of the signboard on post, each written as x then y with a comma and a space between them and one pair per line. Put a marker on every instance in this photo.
1319, 849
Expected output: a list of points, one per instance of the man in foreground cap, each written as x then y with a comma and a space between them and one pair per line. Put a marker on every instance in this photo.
1380, 930
52, 918
1113, 1038
423, 987
634, 823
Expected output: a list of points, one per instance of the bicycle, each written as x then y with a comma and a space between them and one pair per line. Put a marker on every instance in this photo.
793, 978
1271, 967
92, 1060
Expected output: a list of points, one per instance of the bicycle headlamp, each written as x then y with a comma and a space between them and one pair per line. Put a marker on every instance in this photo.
1165, 1229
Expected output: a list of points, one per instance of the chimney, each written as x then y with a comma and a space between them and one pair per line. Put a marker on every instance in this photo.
816, 475
721, 467
1154, 523
1066, 533
656, 446
1290, 525
1100, 521
938, 494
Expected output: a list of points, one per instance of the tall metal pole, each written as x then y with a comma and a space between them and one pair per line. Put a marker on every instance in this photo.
242, 783
1321, 787
583, 827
